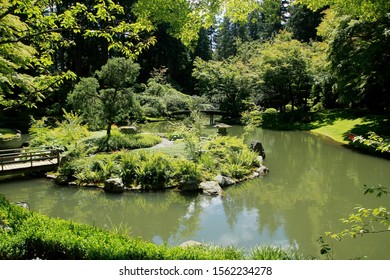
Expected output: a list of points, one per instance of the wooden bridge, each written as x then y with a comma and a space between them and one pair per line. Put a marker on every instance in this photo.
28, 160
210, 113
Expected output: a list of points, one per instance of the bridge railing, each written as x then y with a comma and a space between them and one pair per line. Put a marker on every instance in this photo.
23, 155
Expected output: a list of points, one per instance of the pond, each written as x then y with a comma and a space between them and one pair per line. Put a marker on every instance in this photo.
313, 182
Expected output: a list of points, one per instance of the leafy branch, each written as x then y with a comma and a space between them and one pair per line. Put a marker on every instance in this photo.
366, 220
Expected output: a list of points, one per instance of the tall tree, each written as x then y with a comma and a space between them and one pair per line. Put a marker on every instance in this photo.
357, 34
226, 84
360, 58
32, 30
283, 67
367, 10
303, 22
108, 97
266, 19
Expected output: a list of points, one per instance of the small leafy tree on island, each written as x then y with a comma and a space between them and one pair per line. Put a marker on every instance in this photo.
107, 97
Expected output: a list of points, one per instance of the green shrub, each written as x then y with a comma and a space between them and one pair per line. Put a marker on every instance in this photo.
155, 172
128, 165
119, 141
289, 108
231, 157
207, 161
175, 136
270, 111
317, 107
186, 171
64, 135
233, 170
95, 169
274, 253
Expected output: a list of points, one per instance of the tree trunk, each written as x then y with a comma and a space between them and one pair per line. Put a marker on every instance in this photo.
109, 130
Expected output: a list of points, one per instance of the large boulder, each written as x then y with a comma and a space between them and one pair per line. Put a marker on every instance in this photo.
210, 188
224, 181
114, 185
190, 243
189, 185
257, 147
61, 180
23, 204
262, 170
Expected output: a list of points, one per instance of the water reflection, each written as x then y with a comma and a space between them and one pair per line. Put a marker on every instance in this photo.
312, 183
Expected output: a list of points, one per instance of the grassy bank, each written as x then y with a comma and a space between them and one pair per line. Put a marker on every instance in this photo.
29, 235
336, 124
339, 128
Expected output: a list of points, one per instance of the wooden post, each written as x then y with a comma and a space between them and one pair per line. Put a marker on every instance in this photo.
211, 119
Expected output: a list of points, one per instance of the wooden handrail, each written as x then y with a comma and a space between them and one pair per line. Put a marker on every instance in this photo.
31, 155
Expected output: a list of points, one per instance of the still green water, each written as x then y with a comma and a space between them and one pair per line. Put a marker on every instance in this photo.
313, 183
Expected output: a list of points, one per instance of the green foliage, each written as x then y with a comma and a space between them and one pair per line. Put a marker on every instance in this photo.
187, 172
8, 134
274, 253
118, 141
150, 171
129, 163
185, 18
303, 22
226, 84
367, 10
94, 169
155, 172
372, 142
232, 157
65, 135
229, 156
161, 99
360, 61
193, 135
108, 98
32, 32
366, 220
251, 119
283, 67
270, 111
326, 248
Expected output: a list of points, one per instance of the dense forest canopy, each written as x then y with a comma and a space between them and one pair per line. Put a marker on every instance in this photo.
304, 53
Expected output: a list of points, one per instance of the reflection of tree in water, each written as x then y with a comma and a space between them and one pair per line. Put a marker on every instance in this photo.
190, 221
146, 214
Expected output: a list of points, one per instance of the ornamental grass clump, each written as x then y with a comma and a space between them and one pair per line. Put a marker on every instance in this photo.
230, 156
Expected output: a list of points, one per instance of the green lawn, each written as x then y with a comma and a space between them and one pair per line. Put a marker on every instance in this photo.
339, 128
336, 124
